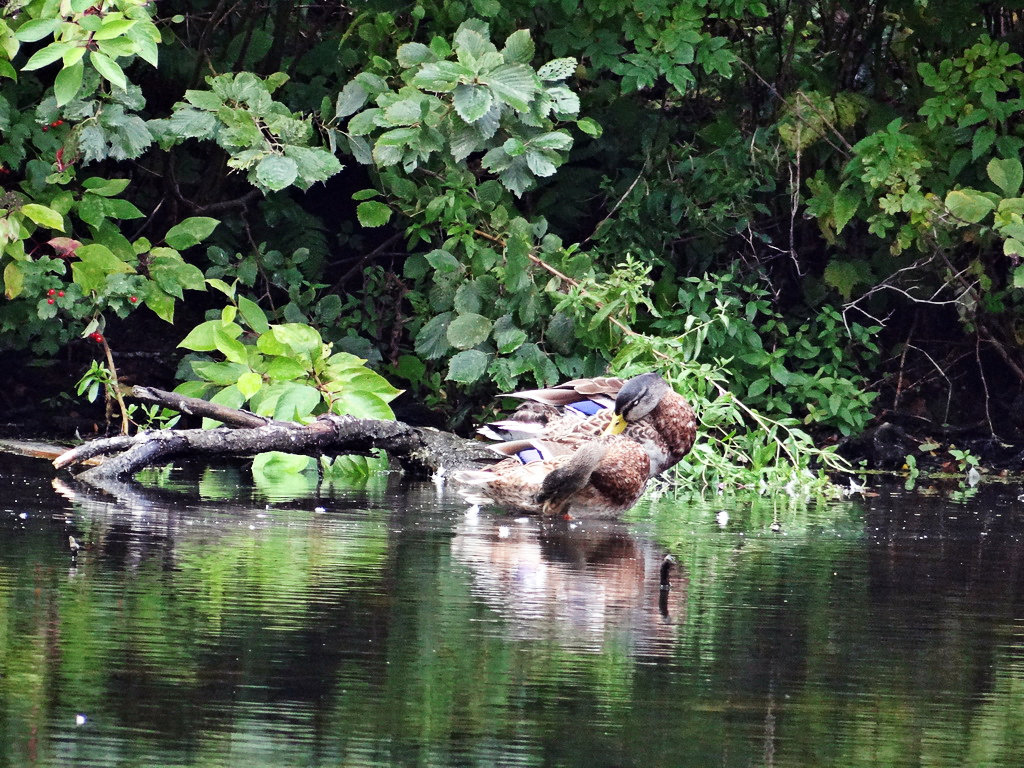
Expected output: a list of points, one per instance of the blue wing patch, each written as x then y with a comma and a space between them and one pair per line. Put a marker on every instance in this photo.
585, 407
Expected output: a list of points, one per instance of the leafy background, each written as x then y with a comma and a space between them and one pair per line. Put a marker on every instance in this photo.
807, 215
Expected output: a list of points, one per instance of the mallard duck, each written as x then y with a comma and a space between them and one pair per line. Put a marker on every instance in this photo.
599, 477
584, 448
644, 408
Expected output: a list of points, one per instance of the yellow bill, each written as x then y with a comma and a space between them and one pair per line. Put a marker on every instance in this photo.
617, 426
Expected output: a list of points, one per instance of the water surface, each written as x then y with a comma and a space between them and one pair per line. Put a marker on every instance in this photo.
211, 622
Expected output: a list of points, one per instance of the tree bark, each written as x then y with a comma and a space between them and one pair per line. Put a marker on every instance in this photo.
419, 450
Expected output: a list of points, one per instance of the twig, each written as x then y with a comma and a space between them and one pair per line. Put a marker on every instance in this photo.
984, 383
115, 386
618, 203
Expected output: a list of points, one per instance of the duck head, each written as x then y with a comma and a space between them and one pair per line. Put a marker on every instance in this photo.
637, 398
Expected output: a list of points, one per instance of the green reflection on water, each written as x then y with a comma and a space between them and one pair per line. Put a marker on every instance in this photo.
389, 629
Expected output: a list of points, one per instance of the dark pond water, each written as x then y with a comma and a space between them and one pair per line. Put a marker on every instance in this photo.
207, 622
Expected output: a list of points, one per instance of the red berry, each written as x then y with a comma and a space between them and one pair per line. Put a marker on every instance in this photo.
46, 128
60, 293
51, 292
49, 301
55, 123
133, 299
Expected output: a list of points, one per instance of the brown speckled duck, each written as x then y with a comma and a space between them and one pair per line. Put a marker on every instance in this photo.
584, 448
600, 477
644, 408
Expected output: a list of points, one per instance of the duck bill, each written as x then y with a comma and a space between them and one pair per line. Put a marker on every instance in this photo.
617, 426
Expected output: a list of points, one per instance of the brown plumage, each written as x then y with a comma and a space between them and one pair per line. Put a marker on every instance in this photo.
655, 416
602, 477
565, 454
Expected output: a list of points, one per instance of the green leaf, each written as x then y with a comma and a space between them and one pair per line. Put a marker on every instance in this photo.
472, 101
411, 54
1006, 174
43, 216
201, 338
843, 276
432, 340
299, 337
228, 345
373, 213
443, 261
519, 47
590, 127
969, 205
351, 99
274, 466
557, 69
844, 206
362, 405
297, 402
113, 28
468, 330
191, 231
467, 366
67, 83
1018, 276
14, 280
557, 140
507, 335
253, 314
222, 374
37, 29
514, 84
249, 383
161, 302
46, 56
286, 369
275, 172
983, 139
108, 68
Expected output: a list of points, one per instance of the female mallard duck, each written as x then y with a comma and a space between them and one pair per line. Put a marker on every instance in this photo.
586, 447
645, 409
600, 477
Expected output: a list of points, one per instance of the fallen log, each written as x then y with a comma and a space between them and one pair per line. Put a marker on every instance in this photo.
419, 450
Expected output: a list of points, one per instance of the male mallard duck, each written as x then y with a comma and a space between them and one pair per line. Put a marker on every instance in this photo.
599, 477
645, 409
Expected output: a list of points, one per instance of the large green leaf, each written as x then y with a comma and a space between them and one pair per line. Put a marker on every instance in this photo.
467, 366
276, 172
514, 84
968, 204
472, 101
432, 340
37, 29
519, 47
1006, 174
468, 330
46, 56
362, 405
109, 69
191, 231
67, 83
373, 213
43, 216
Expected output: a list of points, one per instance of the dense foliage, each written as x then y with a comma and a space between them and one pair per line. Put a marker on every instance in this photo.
799, 211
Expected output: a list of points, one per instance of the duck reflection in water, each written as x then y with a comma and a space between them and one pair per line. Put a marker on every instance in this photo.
581, 584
